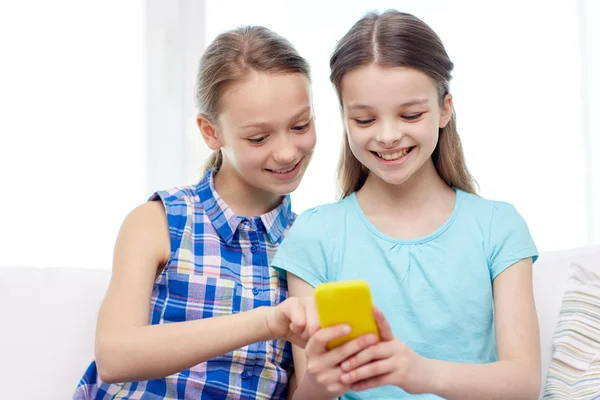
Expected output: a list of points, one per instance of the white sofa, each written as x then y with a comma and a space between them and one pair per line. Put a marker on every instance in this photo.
48, 320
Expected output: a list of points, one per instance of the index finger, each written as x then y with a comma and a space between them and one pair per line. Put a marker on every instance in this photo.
385, 331
312, 316
317, 344
298, 318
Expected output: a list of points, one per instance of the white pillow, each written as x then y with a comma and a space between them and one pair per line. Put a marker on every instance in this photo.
574, 371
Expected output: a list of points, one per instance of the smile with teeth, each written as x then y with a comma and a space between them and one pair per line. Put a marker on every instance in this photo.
283, 171
394, 156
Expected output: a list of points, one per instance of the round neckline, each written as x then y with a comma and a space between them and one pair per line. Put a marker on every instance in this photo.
421, 240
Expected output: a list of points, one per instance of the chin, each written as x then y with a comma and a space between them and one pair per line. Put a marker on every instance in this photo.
395, 182
393, 177
283, 189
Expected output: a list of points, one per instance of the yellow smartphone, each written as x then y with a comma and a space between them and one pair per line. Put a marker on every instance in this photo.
346, 302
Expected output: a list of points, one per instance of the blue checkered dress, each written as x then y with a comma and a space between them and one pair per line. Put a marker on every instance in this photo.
219, 265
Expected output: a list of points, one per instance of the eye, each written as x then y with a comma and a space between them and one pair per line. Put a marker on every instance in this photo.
364, 121
257, 140
412, 117
301, 128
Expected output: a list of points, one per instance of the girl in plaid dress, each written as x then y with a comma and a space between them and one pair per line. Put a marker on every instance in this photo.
193, 310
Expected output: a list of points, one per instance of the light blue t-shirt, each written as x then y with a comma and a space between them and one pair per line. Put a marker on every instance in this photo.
436, 292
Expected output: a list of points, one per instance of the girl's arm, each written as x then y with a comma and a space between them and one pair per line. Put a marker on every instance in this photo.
515, 376
292, 385
517, 373
297, 287
129, 349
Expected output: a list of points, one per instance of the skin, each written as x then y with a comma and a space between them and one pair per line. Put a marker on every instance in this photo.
265, 124
273, 132
386, 112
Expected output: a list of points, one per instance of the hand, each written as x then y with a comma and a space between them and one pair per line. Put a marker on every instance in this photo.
323, 369
389, 362
295, 320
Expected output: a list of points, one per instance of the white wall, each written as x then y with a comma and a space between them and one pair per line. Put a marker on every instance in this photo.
590, 33
174, 44
72, 139
97, 113
98, 110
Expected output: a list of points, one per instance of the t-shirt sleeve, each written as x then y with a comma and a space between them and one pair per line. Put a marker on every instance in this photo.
509, 239
304, 251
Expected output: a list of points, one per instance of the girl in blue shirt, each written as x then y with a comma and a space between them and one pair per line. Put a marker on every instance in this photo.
450, 271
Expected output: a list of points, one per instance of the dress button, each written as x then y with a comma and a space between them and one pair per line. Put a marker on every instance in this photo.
244, 375
254, 248
255, 291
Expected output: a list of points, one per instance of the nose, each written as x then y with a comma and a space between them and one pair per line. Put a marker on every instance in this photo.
286, 150
388, 135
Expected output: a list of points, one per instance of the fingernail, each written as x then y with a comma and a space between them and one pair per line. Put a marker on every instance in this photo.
371, 339
345, 378
345, 365
346, 329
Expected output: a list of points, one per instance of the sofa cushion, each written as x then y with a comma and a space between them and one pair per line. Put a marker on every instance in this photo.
49, 319
550, 275
574, 371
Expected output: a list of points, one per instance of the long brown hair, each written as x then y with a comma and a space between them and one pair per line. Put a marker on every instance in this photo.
230, 57
395, 39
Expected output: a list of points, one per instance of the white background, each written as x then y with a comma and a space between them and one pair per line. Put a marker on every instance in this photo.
96, 103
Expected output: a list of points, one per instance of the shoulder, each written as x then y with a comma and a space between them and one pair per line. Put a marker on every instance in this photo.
179, 203
307, 250
177, 195
504, 225
150, 215
498, 221
316, 226
486, 210
147, 226
476, 204
322, 217
179, 207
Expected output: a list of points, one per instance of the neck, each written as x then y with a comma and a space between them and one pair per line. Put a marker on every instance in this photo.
243, 198
422, 190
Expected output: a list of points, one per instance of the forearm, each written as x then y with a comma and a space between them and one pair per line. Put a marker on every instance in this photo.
498, 380
306, 391
156, 351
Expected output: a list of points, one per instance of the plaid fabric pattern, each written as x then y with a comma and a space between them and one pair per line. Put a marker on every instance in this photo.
219, 265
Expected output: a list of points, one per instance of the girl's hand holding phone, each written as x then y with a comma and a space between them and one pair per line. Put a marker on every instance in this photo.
323, 366
389, 362
345, 312
376, 358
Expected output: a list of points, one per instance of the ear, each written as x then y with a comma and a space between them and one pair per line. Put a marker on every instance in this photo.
209, 132
446, 111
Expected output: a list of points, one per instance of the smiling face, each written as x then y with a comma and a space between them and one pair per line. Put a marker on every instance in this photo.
266, 131
392, 117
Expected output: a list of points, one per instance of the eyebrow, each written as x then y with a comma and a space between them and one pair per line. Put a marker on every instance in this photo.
266, 124
406, 104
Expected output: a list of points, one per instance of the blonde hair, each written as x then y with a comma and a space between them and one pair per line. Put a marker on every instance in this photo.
395, 39
230, 57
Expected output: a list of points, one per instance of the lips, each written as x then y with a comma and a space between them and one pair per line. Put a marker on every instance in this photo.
283, 170
394, 154
286, 173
